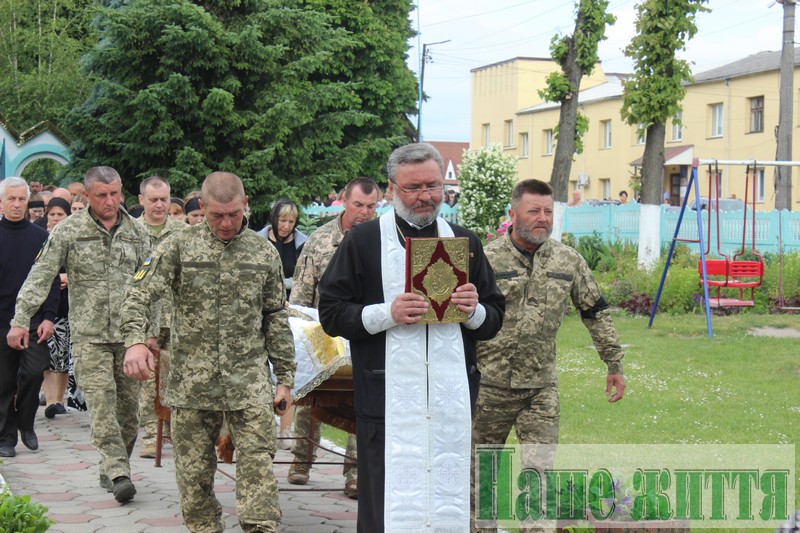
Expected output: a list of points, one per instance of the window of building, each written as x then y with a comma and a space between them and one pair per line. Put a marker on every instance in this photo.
760, 185
547, 148
756, 114
716, 120
508, 133
523, 141
605, 128
677, 126
605, 187
487, 135
641, 134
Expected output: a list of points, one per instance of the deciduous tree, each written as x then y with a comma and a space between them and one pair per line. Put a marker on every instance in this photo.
41, 42
577, 56
654, 93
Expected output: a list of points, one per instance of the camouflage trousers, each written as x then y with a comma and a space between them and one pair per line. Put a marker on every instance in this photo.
194, 436
301, 446
112, 399
147, 399
535, 413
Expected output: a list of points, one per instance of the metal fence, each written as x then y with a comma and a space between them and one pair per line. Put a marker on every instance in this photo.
621, 223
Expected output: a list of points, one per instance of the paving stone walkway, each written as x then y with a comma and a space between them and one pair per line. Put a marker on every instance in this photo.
62, 475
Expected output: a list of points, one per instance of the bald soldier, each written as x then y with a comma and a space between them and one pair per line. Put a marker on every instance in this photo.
229, 325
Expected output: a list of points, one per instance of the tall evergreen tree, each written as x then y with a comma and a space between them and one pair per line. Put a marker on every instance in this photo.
374, 60
248, 86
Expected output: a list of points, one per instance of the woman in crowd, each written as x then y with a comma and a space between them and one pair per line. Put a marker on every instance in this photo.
282, 232
35, 207
78, 203
284, 235
195, 214
56, 379
176, 209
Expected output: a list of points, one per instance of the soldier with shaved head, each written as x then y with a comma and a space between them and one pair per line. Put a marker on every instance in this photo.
229, 324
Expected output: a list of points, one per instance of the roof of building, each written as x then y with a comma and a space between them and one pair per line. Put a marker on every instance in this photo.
753, 64
674, 155
33, 131
451, 151
505, 61
612, 88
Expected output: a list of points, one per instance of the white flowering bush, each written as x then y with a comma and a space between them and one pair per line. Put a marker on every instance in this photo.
487, 177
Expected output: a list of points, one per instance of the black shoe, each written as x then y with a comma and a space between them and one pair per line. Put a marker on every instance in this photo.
7, 451
29, 439
42, 400
60, 409
123, 489
51, 411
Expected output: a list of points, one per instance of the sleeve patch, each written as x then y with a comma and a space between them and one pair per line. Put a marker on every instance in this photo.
41, 250
139, 276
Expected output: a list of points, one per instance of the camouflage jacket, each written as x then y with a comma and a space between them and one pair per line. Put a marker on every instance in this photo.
538, 292
100, 265
163, 309
313, 261
229, 318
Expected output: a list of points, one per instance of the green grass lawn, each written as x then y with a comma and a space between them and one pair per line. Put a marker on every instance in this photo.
683, 387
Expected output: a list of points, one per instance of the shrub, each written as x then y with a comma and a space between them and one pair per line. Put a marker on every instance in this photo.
307, 224
638, 304
20, 514
681, 292
487, 177
791, 276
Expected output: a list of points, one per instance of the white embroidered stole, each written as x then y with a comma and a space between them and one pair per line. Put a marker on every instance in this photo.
428, 421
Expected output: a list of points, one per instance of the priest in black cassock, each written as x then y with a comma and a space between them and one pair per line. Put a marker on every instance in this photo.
414, 384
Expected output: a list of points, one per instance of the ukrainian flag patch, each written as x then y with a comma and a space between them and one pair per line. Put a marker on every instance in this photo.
139, 276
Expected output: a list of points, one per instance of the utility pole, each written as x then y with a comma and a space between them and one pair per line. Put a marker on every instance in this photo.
783, 175
423, 59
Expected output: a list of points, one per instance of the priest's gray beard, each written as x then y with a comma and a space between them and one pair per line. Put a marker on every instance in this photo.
408, 214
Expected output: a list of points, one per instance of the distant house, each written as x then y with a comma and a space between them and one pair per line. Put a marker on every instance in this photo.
452, 152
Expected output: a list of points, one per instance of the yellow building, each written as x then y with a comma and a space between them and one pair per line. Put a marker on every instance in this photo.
729, 113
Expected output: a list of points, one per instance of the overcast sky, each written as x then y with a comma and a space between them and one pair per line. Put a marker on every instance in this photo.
481, 33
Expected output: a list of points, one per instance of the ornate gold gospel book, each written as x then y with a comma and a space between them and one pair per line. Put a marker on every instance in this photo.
434, 268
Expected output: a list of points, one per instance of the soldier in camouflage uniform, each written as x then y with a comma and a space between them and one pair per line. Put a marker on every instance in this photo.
360, 200
229, 322
154, 195
101, 248
539, 278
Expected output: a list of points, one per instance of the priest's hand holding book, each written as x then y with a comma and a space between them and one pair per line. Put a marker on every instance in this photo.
466, 298
409, 307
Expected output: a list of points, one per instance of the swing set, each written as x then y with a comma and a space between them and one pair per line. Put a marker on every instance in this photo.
742, 271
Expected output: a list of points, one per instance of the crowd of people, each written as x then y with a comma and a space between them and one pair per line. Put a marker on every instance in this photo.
109, 295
